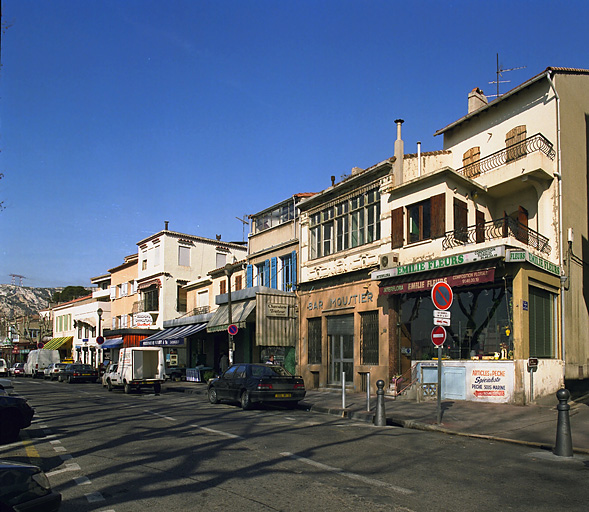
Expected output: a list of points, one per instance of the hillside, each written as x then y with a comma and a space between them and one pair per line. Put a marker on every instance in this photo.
22, 300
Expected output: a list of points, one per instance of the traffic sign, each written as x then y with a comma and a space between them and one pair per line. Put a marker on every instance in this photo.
442, 295
438, 335
441, 314
232, 329
100, 340
442, 321
40, 344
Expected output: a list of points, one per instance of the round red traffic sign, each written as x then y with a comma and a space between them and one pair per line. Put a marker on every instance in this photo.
100, 340
232, 329
438, 335
442, 295
40, 344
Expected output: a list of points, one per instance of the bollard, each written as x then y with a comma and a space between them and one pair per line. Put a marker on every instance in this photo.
564, 441
380, 419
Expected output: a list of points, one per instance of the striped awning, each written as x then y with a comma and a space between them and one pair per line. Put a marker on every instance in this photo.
172, 335
55, 343
112, 343
241, 313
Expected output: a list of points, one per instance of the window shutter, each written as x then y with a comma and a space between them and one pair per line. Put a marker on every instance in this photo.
480, 227
470, 162
397, 228
438, 212
273, 272
294, 269
267, 272
514, 142
249, 276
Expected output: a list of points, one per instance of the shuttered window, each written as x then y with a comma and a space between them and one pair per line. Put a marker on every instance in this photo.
438, 212
542, 322
460, 220
471, 162
515, 143
480, 227
369, 338
314, 340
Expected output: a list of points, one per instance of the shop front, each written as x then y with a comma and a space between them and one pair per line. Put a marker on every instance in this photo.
504, 312
343, 337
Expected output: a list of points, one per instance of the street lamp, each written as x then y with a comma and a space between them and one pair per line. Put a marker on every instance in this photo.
228, 273
99, 313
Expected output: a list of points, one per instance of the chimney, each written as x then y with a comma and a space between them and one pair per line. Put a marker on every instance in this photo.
166, 222
476, 100
218, 237
332, 181
399, 150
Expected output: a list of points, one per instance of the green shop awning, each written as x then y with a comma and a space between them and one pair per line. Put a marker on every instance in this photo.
241, 312
55, 343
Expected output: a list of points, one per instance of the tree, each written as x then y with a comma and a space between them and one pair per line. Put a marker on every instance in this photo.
69, 293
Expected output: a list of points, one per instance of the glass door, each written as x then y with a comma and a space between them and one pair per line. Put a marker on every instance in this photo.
340, 333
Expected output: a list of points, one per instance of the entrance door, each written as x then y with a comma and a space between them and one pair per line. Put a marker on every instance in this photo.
340, 333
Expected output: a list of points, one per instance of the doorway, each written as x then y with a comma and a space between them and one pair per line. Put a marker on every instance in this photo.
340, 335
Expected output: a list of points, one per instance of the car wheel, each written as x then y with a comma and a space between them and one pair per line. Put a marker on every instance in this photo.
9, 428
157, 388
109, 385
127, 388
245, 400
213, 398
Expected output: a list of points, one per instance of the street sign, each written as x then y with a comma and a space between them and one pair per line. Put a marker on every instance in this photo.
438, 336
442, 321
442, 314
40, 344
100, 340
442, 295
232, 329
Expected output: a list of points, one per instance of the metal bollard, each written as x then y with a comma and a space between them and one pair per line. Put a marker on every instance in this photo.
380, 419
564, 441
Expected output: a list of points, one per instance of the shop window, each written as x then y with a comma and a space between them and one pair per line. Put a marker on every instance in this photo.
369, 347
314, 340
515, 143
542, 311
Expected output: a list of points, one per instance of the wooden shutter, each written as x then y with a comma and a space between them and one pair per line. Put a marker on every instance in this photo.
460, 220
438, 213
522, 225
294, 269
480, 227
273, 272
249, 276
470, 162
397, 228
515, 143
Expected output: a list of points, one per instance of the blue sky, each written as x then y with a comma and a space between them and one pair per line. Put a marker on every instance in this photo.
117, 115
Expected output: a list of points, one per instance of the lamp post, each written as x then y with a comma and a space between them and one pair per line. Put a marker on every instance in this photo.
99, 313
228, 273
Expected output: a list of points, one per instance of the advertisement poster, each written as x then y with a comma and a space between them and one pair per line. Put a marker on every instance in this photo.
491, 382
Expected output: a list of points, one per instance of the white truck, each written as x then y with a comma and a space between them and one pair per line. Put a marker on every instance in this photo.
138, 367
38, 360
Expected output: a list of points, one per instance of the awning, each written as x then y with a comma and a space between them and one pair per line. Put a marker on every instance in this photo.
151, 282
112, 343
55, 343
240, 312
87, 320
172, 336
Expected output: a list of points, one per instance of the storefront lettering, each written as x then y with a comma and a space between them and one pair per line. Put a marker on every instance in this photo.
342, 302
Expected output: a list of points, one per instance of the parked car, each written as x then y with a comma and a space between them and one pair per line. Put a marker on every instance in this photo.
76, 372
17, 369
6, 387
53, 370
111, 368
38, 360
15, 414
3, 368
26, 487
256, 383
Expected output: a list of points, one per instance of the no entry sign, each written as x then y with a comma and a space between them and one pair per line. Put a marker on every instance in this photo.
438, 335
442, 295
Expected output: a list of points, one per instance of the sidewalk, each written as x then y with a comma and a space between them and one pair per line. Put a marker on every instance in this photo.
532, 425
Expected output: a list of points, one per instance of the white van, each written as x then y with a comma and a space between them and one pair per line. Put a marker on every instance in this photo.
138, 367
38, 360
3, 368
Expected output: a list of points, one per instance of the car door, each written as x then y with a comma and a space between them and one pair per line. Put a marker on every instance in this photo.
224, 384
239, 381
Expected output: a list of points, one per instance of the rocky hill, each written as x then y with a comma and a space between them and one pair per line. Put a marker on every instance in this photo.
22, 300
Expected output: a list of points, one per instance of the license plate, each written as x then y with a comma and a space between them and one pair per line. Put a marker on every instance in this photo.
86, 374
282, 395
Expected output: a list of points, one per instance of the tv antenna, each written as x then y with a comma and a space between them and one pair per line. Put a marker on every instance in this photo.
499, 74
245, 223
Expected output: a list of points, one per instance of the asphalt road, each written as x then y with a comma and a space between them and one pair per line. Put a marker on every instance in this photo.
175, 452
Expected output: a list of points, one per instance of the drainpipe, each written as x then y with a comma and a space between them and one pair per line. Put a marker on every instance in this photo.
558, 175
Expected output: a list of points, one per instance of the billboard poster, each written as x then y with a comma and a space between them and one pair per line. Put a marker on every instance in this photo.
492, 382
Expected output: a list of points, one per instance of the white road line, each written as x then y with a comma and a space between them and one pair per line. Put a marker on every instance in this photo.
219, 432
93, 497
82, 480
160, 415
347, 474
59, 448
68, 467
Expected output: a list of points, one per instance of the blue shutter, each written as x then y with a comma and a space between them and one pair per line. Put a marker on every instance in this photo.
249, 276
273, 273
267, 273
293, 263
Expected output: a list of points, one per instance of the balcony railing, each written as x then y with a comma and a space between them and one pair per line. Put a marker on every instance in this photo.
494, 230
511, 153
144, 306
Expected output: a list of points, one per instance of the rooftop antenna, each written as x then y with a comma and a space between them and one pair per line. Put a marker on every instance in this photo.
245, 223
499, 72
14, 276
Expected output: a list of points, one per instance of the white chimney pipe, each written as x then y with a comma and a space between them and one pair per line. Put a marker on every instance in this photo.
399, 150
419, 158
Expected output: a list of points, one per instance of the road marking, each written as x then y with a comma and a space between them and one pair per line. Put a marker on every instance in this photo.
82, 480
93, 497
55, 441
219, 432
68, 467
160, 415
30, 449
347, 474
59, 448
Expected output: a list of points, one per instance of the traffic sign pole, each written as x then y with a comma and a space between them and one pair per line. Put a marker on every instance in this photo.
439, 384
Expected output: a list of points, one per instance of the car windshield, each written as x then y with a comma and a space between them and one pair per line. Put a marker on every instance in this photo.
269, 371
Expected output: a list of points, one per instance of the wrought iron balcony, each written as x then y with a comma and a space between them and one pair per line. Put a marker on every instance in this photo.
144, 306
511, 153
494, 230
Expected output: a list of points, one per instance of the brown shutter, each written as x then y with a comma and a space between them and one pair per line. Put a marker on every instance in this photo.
397, 228
480, 227
522, 226
438, 212
460, 220
470, 162
515, 143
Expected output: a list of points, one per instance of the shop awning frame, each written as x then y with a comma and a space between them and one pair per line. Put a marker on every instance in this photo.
240, 313
172, 335
55, 343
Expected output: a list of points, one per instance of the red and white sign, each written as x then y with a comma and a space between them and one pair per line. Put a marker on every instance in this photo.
438, 335
232, 329
442, 295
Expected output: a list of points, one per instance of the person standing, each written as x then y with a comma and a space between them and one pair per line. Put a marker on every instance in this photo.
223, 362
